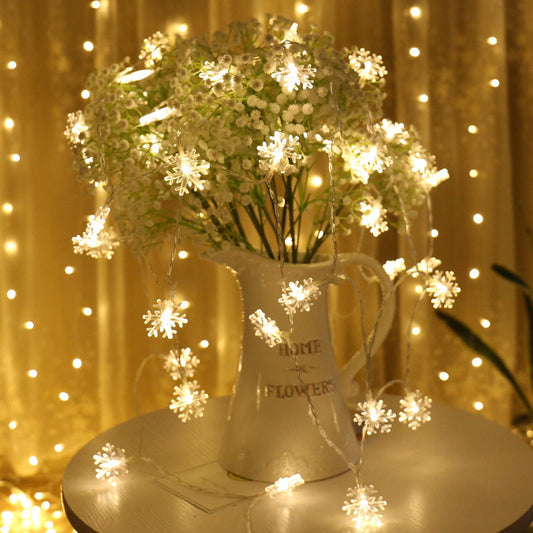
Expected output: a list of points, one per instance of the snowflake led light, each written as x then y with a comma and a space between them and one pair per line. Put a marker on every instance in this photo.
299, 296
181, 364
393, 131
94, 241
157, 115
284, 485
374, 416
188, 401
215, 72
292, 36
425, 266
365, 508
373, 216
290, 74
443, 289
433, 179
266, 328
185, 172
415, 409
111, 463
369, 66
76, 126
394, 267
279, 153
164, 319
153, 49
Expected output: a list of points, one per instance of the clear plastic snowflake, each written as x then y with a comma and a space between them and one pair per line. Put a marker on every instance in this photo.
373, 216
291, 75
369, 66
291, 35
415, 409
153, 49
75, 127
365, 508
279, 153
394, 267
111, 463
425, 266
284, 484
215, 72
164, 319
442, 288
188, 401
393, 131
374, 416
266, 328
298, 296
185, 171
95, 241
181, 364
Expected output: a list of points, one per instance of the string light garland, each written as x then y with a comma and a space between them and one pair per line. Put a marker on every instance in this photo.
196, 174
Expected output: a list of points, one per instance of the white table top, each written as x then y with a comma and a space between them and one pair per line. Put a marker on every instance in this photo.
457, 474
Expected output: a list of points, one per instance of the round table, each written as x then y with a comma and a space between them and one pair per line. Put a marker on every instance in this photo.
457, 474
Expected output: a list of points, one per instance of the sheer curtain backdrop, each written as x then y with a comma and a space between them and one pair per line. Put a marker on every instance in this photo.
71, 333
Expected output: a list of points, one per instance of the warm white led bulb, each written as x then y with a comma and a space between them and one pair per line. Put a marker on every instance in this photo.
12, 65
472, 129
29, 324
416, 330
473, 173
485, 323
95, 4
10, 247
183, 28
182, 254
58, 447
316, 181
444, 376
494, 82
478, 218
33, 461
87, 311
477, 362
492, 40
478, 406
11, 294
302, 8
33, 373
63, 396
88, 46
9, 123
474, 273
15, 158
415, 12
204, 343
69, 270
85, 94
7, 208
423, 98
434, 233
414, 51
76, 363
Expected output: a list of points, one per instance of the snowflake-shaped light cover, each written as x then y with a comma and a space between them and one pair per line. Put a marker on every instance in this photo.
298, 296
369, 66
279, 153
94, 241
76, 125
153, 48
415, 409
284, 485
164, 319
216, 72
393, 131
443, 289
374, 416
290, 74
111, 463
188, 401
266, 328
373, 216
181, 364
159, 114
394, 267
185, 171
364, 507
425, 266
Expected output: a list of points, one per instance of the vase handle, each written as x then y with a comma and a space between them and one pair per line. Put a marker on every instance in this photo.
381, 328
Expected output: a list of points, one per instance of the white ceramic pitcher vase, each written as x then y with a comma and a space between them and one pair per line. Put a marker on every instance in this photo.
271, 431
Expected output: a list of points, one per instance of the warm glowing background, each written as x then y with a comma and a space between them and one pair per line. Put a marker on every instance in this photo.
71, 336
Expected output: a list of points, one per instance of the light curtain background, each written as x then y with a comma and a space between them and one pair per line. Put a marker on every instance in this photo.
81, 333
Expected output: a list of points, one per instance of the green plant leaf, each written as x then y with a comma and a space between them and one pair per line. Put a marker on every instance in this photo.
473, 341
527, 292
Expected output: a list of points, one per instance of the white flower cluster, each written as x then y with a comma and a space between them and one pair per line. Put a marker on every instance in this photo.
202, 125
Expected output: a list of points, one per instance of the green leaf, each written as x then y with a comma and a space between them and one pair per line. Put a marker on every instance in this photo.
527, 292
473, 341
